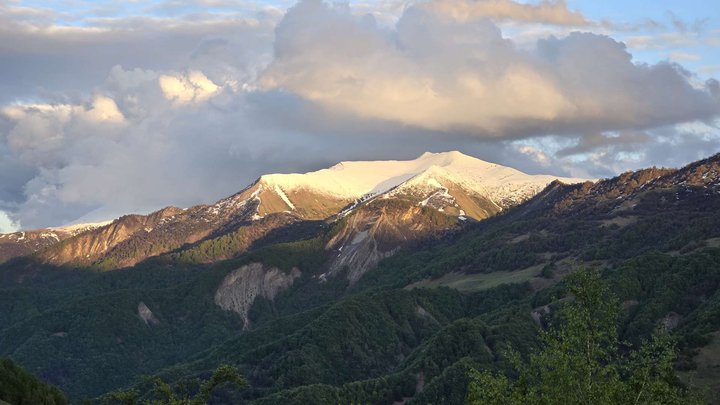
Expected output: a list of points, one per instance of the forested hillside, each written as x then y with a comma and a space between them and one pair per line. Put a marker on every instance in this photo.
411, 330
18, 387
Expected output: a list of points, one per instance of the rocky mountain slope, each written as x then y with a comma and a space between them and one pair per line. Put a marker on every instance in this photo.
26, 242
609, 217
387, 204
307, 322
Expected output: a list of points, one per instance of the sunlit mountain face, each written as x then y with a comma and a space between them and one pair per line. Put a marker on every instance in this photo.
452, 185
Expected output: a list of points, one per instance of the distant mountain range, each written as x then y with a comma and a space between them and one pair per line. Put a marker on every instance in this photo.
387, 204
368, 282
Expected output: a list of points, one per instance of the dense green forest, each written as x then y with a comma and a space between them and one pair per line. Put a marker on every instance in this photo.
18, 387
380, 346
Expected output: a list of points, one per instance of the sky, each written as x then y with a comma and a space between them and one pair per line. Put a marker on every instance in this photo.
110, 107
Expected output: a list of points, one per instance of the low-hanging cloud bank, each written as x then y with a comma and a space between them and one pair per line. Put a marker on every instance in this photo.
230, 99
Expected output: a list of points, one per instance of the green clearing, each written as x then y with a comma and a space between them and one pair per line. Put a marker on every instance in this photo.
481, 281
713, 242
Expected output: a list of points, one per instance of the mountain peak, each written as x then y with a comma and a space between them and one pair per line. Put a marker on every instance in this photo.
448, 154
450, 158
355, 179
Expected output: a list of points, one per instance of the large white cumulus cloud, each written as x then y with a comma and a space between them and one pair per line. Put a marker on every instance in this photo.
463, 75
94, 124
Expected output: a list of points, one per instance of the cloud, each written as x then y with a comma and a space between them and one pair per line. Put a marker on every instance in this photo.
667, 147
6, 224
45, 60
664, 40
423, 75
683, 56
134, 147
683, 26
38, 131
447, 75
193, 87
593, 142
546, 11
607, 154
535, 154
104, 109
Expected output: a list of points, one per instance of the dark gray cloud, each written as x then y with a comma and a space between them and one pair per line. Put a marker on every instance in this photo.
592, 142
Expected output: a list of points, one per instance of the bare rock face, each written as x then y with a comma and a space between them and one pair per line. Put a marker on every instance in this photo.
28, 242
379, 229
670, 321
424, 207
146, 314
92, 245
242, 286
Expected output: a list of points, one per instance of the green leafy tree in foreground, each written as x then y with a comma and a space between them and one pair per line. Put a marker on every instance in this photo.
19, 387
181, 394
583, 362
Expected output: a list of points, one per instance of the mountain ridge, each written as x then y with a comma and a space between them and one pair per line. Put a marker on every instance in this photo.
456, 185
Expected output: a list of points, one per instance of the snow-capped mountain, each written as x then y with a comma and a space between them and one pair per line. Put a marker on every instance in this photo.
320, 194
385, 204
433, 194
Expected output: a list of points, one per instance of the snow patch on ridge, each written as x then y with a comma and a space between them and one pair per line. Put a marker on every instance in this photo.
256, 196
284, 197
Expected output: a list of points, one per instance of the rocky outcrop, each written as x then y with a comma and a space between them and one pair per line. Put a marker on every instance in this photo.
670, 321
424, 207
378, 229
242, 286
146, 314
